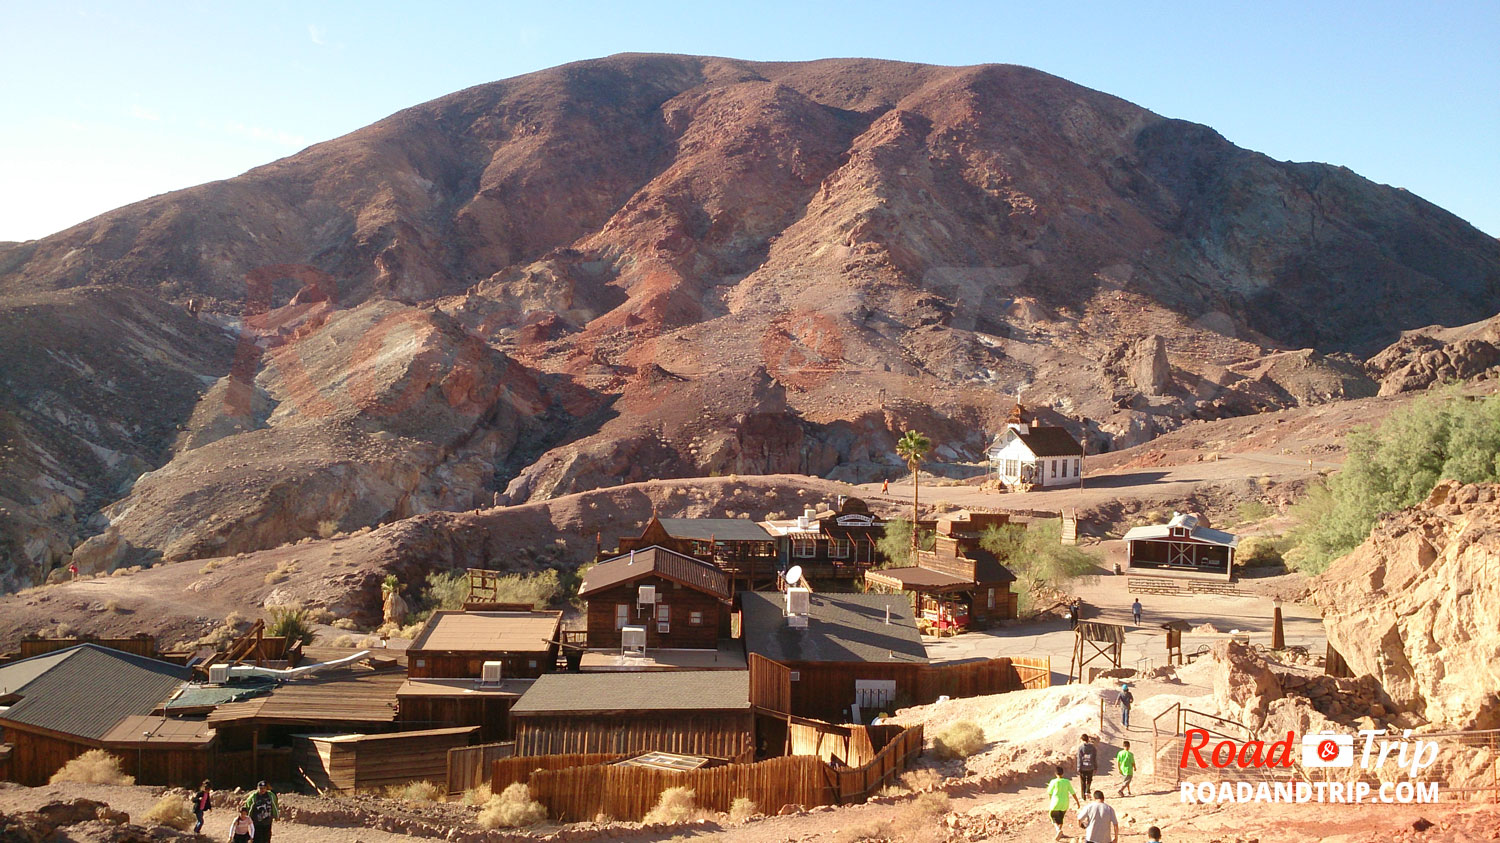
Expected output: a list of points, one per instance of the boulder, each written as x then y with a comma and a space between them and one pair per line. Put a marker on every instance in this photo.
1147, 365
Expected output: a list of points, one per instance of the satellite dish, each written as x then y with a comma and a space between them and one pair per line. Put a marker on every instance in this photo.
793, 575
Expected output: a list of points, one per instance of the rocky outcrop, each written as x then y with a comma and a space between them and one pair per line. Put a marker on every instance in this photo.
1434, 356
1148, 367
1415, 606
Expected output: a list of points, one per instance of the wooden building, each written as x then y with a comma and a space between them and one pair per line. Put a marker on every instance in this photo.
351, 762
739, 547
456, 644
850, 649
444, 703
687, 712
958, 584
682, 602
1028, 455
837, 544
57, 706
1182, 547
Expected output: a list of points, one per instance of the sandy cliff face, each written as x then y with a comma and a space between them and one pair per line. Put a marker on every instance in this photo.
1416, 606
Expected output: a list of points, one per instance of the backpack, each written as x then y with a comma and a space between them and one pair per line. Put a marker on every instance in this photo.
262, 810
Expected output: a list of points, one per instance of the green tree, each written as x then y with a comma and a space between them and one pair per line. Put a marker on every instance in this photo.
1037, 556
292, 624
913, 447
895, 545
1442, 437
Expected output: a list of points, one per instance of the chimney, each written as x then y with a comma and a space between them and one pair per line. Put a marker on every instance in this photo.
887, 614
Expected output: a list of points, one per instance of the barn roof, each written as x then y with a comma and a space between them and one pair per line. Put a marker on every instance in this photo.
719, 529
693, 573
1163, 532
660, 690
840, 628
488, 632
86, 690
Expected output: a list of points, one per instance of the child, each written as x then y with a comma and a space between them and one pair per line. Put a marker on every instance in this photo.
242, 829
1125, 764
1153, 834
202, 802
1059, 791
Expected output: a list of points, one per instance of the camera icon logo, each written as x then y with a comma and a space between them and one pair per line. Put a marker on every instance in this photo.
1327, 749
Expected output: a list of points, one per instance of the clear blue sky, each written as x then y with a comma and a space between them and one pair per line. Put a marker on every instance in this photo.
102, 104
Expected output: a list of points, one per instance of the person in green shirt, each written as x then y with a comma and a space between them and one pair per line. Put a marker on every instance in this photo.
1125, 763
1058, 792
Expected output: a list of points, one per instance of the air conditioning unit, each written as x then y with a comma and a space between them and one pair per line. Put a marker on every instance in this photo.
647, 595
218, 674
491, 673
633, 639
796, 621
798, 601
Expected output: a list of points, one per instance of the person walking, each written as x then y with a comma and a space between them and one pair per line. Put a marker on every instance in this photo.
263, 811
1126, 699
1059, 790
1153, 834
1099, 822
885, 486
201, 804
1125, 763
1135, 611
1088, 762
242, 830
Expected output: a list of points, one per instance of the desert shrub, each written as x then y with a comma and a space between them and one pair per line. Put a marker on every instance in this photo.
1037, 556
328, 527
343, 641
319, 614
676, 805
111, 605
921, 779
93, 767
872, 830
741, 809
958, 740
1443, 437
416, 791
173, 811
512, 808
477, 795
944, 507
292, 623
1262, 551
283, 572
1252, 511
895, 543
346, 624
210, 566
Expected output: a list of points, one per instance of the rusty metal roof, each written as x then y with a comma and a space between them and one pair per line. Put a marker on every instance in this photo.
693, 573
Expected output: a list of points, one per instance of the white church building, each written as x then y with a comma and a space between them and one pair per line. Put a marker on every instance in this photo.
1028, 455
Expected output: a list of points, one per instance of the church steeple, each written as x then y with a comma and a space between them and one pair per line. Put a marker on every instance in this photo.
1017, 419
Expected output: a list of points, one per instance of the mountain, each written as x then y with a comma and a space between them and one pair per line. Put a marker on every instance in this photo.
648, 266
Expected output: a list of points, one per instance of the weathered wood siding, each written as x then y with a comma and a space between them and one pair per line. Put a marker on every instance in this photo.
367, 761
720, 734
490, 713
451, 664
681, 599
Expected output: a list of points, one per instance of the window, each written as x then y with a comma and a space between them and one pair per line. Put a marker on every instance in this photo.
1065, 468
1054, 467
794, 676
838, 548
992, 599
695, 618
803, 548
663, 619
622, 615
1012, 468
531, 663
1076, 467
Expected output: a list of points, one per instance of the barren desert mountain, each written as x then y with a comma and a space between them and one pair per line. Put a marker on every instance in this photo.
670, 266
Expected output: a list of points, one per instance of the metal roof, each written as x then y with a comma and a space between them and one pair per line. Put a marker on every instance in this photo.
1163, 532
487, 632
917, 577
151, 730
347, 696
17, 675
841, 628
719, 529
661, 690
86, 690
693, 573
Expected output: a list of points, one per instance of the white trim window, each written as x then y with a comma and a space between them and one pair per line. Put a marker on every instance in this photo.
663, 619
695, 618
622, 615
804, 548
838, 548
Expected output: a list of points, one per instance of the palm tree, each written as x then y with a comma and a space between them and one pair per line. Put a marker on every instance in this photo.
913, 447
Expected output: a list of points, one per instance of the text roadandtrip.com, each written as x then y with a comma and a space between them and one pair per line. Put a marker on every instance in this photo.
1317, 750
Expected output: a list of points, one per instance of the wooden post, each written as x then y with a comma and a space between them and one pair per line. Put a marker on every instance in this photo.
1278, 639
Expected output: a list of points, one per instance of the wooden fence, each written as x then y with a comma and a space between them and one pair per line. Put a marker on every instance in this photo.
574, 790
470, 765
507, 771
140, 645
823, 688
343, 763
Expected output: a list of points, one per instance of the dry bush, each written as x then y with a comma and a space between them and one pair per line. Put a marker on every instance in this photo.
343, 641
919, 818
283, 572
873, 830
327, 528
676, 805
416, 791
478, 795
210, 566
602, 818
958, 740
93, 767
346, 623
173, 811
512, 808
742, 809
943, 507
921, 780
319, 614
111, 605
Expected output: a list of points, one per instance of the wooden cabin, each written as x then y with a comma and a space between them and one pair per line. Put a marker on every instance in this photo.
739, 547
445, 703
958, 584
456, 644
683, 603
848, 649
838, 544
354, 762
57, 706
1182, 547
689, 712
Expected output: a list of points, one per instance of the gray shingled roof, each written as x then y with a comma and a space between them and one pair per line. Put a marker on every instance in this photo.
86, 690
841, 628
721, 529
693, 573
656, 690
1051, 442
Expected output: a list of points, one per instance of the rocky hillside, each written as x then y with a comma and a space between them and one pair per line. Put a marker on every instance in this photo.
1415, 606
678, 266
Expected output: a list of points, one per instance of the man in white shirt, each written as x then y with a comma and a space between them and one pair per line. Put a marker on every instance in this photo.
1098, 821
